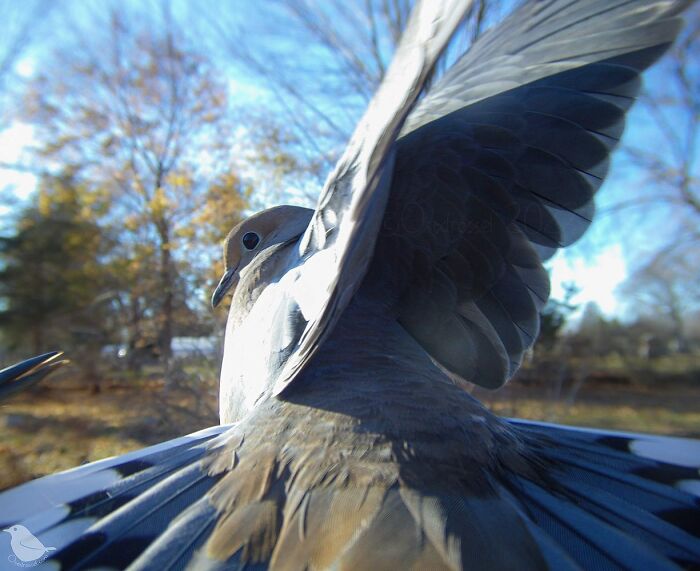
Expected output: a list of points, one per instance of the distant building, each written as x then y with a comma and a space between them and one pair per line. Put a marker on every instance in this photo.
196, 346
182, 347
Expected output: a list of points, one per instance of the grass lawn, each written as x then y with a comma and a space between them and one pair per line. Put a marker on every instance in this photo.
53, 428
671, 410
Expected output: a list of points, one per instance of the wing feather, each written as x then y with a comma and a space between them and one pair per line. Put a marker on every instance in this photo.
344, 227
497, 167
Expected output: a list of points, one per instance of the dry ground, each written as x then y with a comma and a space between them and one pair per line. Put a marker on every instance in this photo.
671, 410
55, 428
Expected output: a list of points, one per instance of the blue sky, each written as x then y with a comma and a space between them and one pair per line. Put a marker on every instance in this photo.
598, 264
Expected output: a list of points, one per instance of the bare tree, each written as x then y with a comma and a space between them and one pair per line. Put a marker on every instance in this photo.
139, 114
669, 169
316, 101
666, 288
651, 204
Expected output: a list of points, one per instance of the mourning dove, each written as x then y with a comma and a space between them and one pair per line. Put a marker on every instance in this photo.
27, 373
349, 441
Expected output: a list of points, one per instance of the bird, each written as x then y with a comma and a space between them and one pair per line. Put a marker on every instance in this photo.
348, 440
22, 375
25, 546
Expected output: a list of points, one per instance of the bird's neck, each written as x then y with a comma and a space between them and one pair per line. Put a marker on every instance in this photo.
250, 344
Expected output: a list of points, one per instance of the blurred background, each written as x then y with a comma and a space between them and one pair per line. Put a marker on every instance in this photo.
134, 135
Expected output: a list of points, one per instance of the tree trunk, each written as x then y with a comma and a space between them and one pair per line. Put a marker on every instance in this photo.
676, 315
38, 328
165, 335
38, 338
133, 359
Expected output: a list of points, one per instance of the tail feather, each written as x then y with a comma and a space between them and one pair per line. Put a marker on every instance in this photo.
628, 517
120, 537
607, 505
106, 501
592, 542
62, 524
592, 502
673, 462
554, 555
78, 489
649, 494
108, 512
176, 547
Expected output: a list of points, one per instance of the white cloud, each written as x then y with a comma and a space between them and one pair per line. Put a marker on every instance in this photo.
242, 90
598, 277
13, 142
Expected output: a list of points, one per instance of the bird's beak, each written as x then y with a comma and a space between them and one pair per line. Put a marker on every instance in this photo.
6, 530
227, 281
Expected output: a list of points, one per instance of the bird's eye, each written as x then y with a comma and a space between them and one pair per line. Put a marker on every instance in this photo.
250, 240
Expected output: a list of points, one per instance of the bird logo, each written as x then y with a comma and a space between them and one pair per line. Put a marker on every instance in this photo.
28, 550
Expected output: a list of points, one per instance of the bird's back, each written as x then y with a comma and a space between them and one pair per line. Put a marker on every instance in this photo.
375, 461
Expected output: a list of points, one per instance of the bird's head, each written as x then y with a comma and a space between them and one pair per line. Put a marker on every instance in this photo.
17, 531
278, 225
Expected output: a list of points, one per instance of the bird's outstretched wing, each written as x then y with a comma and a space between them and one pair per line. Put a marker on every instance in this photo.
337, 246
497, 167
494, 169
27, 373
